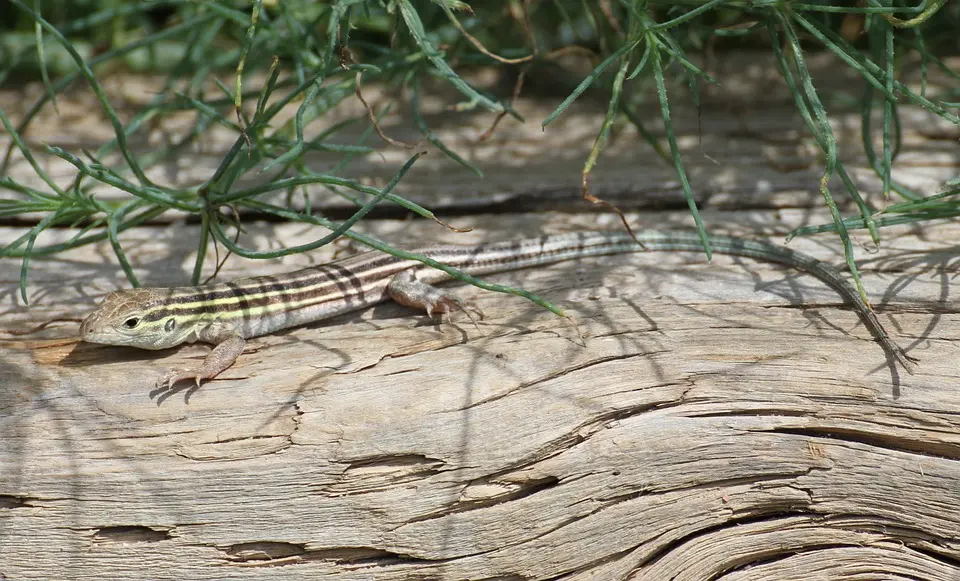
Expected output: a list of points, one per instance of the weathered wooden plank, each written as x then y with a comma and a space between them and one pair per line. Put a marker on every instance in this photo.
723, 419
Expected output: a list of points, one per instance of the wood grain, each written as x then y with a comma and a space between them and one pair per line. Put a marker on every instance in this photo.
722, 421
701, 421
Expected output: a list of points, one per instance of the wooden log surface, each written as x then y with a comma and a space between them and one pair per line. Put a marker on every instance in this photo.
727, 421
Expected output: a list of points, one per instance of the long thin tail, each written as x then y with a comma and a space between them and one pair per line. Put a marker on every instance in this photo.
501, 256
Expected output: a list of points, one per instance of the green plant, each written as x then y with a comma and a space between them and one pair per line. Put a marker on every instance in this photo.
321, 53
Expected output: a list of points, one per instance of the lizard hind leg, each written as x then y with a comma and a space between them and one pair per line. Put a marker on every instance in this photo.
405, 289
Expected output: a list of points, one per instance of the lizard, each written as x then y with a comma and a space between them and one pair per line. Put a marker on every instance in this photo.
227, 314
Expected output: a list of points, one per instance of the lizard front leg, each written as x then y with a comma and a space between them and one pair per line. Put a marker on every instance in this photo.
228, 346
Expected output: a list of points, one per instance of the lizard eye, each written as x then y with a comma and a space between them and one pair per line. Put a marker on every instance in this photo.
170, 325
131, 322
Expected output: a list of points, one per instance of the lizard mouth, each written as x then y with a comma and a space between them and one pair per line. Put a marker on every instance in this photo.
85, 331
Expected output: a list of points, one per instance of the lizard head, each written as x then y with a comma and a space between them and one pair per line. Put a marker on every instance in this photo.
135, 318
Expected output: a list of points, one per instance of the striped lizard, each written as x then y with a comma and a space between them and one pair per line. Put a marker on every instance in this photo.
227, 314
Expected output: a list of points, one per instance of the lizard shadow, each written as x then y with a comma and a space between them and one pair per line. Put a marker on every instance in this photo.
382, 312
89, 355
84, 355
163, 393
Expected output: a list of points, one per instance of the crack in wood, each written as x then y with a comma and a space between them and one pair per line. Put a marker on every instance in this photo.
587, 429
236, 448
11, 501
379, 473
263, 551
509, 491
555, 375
670, 549
875, 440
601, 561
280, 554
131, 534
